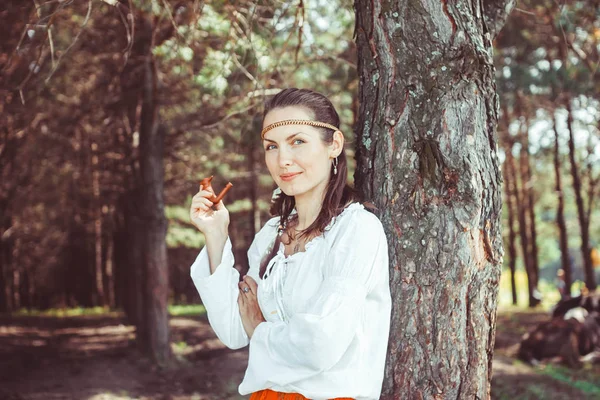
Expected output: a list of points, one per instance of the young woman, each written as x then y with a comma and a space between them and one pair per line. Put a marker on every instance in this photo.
315, 305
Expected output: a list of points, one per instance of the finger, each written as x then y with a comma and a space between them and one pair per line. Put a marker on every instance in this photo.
203, 194
209, 189
199, 208
202, 201
244, 288
205, 187
243, 303
251, 284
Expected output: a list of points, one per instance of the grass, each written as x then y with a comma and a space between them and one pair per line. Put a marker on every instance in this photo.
66, 312
122, 395
174, 310
548, 381
572, 378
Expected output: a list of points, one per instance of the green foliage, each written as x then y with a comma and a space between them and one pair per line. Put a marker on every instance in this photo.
213, 22
184, 236
187, 310
181, 233
212, 77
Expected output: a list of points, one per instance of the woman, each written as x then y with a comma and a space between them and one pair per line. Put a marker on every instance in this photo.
315, 305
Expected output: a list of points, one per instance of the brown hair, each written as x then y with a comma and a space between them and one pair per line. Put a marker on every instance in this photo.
338, 194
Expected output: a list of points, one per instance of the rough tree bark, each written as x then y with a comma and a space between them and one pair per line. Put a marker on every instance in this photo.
427, 156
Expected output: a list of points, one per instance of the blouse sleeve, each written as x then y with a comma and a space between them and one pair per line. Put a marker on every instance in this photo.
316, 338
219, 290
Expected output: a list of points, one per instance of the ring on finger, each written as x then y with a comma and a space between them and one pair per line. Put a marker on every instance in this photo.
246, 289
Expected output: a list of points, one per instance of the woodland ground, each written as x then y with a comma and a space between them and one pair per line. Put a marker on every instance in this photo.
94, 358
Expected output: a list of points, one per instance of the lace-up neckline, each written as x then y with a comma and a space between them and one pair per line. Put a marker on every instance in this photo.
316, 239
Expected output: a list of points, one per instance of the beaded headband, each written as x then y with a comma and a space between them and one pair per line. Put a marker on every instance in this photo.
297, 122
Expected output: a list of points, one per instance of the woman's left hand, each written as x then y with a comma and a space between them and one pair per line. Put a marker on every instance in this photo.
248, 304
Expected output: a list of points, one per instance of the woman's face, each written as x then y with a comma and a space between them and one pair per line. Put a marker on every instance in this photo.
296, 149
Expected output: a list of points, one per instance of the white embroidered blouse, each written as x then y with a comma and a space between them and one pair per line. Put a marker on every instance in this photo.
327, 309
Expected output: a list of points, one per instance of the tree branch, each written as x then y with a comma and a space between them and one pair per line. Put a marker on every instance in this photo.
495, 13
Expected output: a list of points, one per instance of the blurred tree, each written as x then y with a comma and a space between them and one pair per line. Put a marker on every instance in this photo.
526, 204
560, 218
510, 178
530, 65
590, 280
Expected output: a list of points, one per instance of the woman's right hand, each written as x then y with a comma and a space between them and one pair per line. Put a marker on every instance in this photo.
208, 221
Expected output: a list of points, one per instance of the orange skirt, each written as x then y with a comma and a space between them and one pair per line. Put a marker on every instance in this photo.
271, 395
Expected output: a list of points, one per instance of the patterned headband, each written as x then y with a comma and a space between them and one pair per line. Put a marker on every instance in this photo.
297, 122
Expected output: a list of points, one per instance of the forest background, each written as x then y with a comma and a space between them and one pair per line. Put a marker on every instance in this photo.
82, 81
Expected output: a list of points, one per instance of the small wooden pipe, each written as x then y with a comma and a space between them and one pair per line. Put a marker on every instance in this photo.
215, 199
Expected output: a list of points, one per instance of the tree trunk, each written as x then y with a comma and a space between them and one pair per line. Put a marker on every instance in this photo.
16, 286
526, 202
97, 210
588, 269
255, 221
531, 207
560, 219
122, 269
110, 278
4, 304
586, 250
6, 249
135, 280
509, 177
153, 220
426, 156
147, 286
251, 144
521, 201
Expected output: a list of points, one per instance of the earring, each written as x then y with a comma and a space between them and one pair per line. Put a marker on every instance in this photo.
335, 164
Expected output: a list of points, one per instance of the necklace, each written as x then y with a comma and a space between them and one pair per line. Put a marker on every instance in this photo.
282, 230
296, 239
